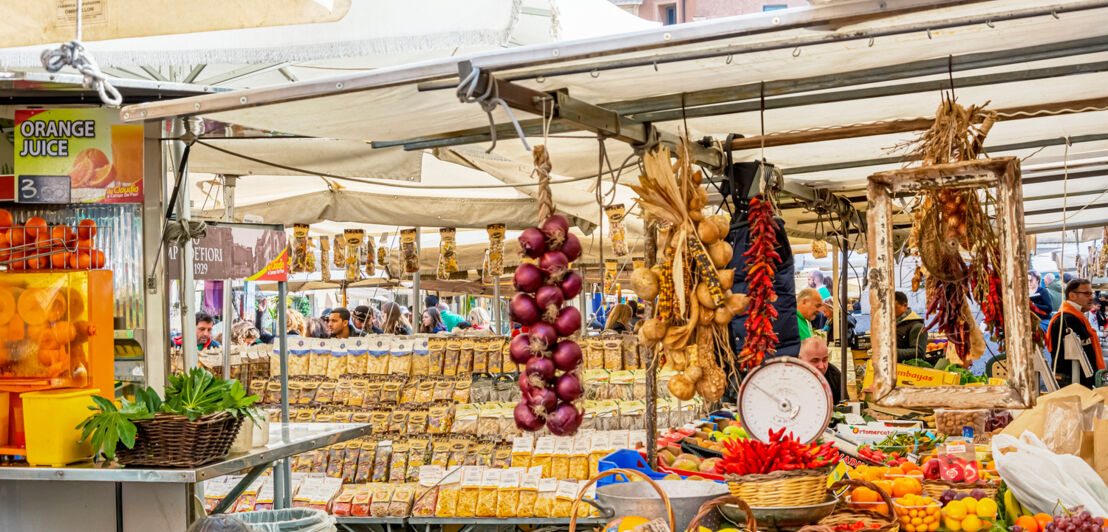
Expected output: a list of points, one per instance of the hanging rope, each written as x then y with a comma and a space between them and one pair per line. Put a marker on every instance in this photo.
488, 101
73, 54
542, 169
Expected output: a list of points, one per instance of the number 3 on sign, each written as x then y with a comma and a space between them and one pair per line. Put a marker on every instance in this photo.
27, 190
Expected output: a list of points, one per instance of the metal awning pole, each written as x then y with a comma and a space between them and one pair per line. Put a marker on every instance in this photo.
417, 308
496, 305
228, 216
844, 310
281, 470
187, 285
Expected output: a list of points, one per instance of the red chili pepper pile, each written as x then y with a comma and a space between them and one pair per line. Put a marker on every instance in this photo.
944, 307
783, 453
761, 267
992, 309
852, 527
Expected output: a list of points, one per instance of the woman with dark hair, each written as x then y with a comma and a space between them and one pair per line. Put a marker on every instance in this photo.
394, 320
431, 322
317, 328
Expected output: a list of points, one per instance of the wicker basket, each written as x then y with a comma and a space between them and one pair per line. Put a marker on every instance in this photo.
169, 440
627, 473
801, 487
935, 488
844, 514
707, 508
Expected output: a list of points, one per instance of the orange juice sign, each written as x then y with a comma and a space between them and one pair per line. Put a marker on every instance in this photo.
100, 157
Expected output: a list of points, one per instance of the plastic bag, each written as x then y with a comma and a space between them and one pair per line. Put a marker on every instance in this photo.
299, 519
1040, 478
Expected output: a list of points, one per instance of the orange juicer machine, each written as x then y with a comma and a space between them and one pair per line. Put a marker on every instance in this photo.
55, 333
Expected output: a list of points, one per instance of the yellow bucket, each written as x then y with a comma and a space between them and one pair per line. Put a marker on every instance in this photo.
50, 420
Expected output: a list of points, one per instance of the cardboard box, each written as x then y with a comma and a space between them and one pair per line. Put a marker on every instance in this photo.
913, 376
876, 431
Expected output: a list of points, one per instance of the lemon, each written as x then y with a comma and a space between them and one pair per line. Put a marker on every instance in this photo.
986, 508
952, 524
955, 510
972, 523
971, 505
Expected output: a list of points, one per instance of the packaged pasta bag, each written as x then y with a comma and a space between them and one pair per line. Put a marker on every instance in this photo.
620, 385
427, 490
585, 509
559, 462
425, 391
371, 392
465, 419
484, 452
459, 448
436, 348
440, 451
400, 356
344, 503
465, 356
502, 455
299, 357
529, 492
273, 391
417, 420
319, 462
449, 490
419, 455
337, 365
338, 252
382, 494
472, 480
398, 420
398, 466
544, 452
350, 458
320, 355
409, 250
378, 361
439, 419
496, 249
507, 494
381, 462
598, 449
563, 498
480, 355
324, 415
324, 258
480, 391
400, 504
618, 232
508, 426
594, 354
379, 420
326, 391
301, 258
390, 391
450, 359
508, 365
363, 497
444, 390
544, 502
506, 389
494, 348
487, 497
334, 460
357, 350
421, 357
461, 389
638, 387
408, 391
361, 416
522, 448
342, 389
630, 350
365, 461
367, 255
613, 352
632, 414
448, 253
579, 460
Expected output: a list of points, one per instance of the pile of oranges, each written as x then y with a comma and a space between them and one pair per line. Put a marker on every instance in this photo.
35, 246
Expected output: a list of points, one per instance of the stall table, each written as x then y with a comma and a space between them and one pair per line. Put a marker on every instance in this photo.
109, 497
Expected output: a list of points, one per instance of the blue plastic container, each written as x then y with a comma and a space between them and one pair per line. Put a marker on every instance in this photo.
626, 459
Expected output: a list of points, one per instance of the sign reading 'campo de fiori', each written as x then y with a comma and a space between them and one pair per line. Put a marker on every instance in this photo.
235, 252
88, 152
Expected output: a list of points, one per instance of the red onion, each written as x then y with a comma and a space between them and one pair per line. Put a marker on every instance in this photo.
525, 386
520, 349
554, 264
564, 420
532, 242
542, 400
567, 355
555, 228
549, 298
525, 417
568, 387
540, 367
571, 247
523, 310
568, 321
543, 336
528, 278
571, 285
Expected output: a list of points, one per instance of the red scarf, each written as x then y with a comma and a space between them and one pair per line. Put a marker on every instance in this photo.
1094, 339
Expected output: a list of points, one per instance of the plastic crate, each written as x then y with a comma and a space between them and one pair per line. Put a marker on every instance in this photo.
626, 459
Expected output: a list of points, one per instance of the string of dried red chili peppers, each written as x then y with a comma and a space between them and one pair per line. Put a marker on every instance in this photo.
783, 453
761, 267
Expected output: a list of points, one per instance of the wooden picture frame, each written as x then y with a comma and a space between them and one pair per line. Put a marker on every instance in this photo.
1004, 174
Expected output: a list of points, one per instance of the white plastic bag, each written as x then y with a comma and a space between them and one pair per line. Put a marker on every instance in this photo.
1041, 479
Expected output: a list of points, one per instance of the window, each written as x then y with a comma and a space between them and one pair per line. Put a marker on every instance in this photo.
669, 14
773, 7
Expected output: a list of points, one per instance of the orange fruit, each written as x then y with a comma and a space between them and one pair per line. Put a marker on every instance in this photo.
32, 305
906, 485
5, 221
885, 485
7, 306
57, 307
84, 260
35, 226
908, 467
103, 176
894, 471
1028, 523
58, 260
38, 263
1043, 519
97, 259
16, 330
86, 229
17, 236
64, 332
48, 357
863, 494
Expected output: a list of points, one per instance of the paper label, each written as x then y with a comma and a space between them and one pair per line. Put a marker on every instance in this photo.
491, 478
563, 446
545, 446
567, 489
600, 442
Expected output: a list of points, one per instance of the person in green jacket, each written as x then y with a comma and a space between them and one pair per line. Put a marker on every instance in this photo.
808, 302
449, 319
1054, 286
911, 336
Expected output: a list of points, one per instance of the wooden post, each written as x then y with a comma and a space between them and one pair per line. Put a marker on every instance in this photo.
650, 244
1013, 254
879, 219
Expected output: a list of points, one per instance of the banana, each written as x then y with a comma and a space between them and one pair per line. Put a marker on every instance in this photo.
1024, 510
1011, 506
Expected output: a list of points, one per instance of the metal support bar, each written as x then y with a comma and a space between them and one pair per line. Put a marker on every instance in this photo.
496, 314
228, 216
240, 487
282, 473
186, 284
844, 311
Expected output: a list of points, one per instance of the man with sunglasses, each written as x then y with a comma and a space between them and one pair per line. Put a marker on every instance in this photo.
1071, 319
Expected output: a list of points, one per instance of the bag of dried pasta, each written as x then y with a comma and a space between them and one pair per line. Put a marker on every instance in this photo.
409, 250
472, 480
507, 495
448, 253
427, 490
354, 250
529, 492
544, 502
449, 490
618, 232
490, 487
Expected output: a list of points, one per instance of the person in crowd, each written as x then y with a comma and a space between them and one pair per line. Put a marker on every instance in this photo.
619, 319
1070, 319
829, 310
636, 312
1041, 302
204, 340
808, 302
1102, 312
594, 322
814, 351
911, 335
363, 319
294, 322
478, 318
431, 322
1054, 288
243, 333
317, 328
339, 323
326, 314
816, 281
394, 322
449, 319
856, 306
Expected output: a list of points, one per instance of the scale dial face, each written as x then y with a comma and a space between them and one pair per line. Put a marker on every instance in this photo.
785, 392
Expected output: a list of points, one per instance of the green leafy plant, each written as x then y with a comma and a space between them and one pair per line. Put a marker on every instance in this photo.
194, 394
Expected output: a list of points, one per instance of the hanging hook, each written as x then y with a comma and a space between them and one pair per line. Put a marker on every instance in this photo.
729, 58
990, 24
950, 74
1054, 13
871, 41
595, 73
655, 65
796, 52
540, 79
928, 33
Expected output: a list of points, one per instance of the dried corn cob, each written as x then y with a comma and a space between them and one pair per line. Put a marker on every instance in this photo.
704, 267
667, 293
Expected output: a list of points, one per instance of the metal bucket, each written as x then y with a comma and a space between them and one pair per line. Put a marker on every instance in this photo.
639, 498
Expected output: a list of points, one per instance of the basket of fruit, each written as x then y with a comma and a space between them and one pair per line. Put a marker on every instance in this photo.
968, 512
867, 507
781, 473
725, 501
945, 473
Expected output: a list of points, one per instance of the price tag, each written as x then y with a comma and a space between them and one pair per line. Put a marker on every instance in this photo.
955, 448
43, 189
